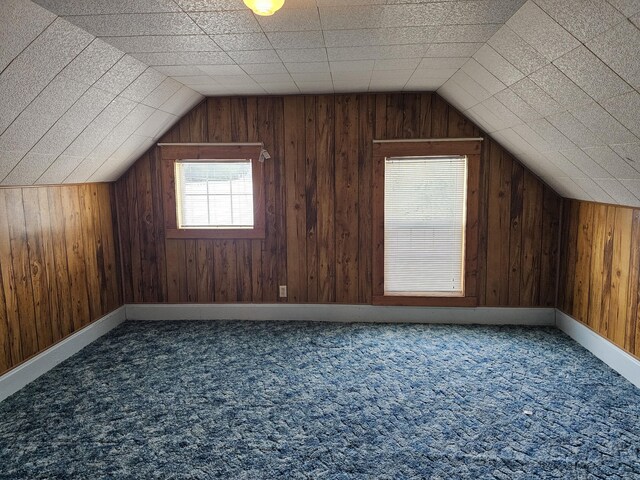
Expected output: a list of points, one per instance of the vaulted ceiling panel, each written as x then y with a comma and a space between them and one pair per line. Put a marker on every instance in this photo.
555, 81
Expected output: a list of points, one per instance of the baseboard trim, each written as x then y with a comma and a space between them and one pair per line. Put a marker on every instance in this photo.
626, 365
27, 372
343, 313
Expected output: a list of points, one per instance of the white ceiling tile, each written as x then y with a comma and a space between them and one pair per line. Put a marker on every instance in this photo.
381, 16
95, 131
28, 170
191, 80
217, 90
583, 18
603, 125
625, 109
398, 76
564, 164
315, 87
551, 135
162, 93
466, 33
354, 66
101, 7
483, 77
316, 77
589, 73
234, 80
272, 78
397, 64
617, 47
175, 70
483, 11
536, 97
112, 167
36, 66
235, 21
574, 130
352, 76
184, 58
457, 95
531, 137
433, 73
20, 23
143, 85
255, 56
442, 62
585, 163
560, 87
386, 85
517, 105
242, 41
613, 163
72, 123
219, 69
307, 67
618, 191
350, 86
594, 190
506, 118
516, 51
263, 68
280, 89
452, 49
630, 153
376, 52
164, 43
292, 20
632, 185
421, 83
208, 5
122, 25
486, 118
497, 65
121, 75
154, 123
540, 31
181, 102
305, 55
93, 62
379, 36
308, 39
626, 7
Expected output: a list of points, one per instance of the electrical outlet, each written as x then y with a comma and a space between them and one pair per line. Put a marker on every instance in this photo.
283, 291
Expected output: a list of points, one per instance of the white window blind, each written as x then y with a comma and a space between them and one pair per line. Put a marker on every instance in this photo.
424, 225
215, 194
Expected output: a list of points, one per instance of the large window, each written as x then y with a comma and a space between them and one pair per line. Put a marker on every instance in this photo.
213, 191
425, 222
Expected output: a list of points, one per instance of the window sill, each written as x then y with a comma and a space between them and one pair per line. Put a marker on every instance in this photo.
423, 301
213, 233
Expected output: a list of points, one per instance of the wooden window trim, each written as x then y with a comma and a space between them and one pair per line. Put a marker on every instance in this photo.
174, 152
382, 150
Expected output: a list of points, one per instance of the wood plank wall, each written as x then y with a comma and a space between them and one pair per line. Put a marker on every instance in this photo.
318, 232
599, 281
58, 265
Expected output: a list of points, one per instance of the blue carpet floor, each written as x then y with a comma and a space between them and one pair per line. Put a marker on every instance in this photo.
241, 400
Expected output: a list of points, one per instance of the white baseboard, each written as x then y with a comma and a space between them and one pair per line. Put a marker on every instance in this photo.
623, 363
27, 372
343, 313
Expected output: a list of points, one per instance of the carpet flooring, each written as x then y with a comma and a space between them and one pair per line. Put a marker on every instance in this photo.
244, 400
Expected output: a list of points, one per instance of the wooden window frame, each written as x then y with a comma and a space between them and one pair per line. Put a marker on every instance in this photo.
382, 150
172, 153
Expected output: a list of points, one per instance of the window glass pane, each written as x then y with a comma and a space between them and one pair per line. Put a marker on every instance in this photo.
205, 191
425, 200
220, 210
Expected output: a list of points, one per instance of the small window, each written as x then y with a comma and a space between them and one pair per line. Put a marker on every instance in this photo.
213, 191
214, 194
424, 225
425, 222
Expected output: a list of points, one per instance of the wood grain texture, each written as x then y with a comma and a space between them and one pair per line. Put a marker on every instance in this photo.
59, 265
600, 270
318, 204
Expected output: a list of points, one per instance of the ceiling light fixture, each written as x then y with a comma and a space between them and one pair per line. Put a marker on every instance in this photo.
264, 7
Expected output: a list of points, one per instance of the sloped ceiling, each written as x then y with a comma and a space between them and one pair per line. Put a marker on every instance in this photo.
555, 81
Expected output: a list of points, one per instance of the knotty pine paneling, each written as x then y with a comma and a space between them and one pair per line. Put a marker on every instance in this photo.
599, 281
318, 204
59, 267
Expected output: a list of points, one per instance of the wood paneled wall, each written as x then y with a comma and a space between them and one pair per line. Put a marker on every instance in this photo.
318, 203
58, 265
599, 281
